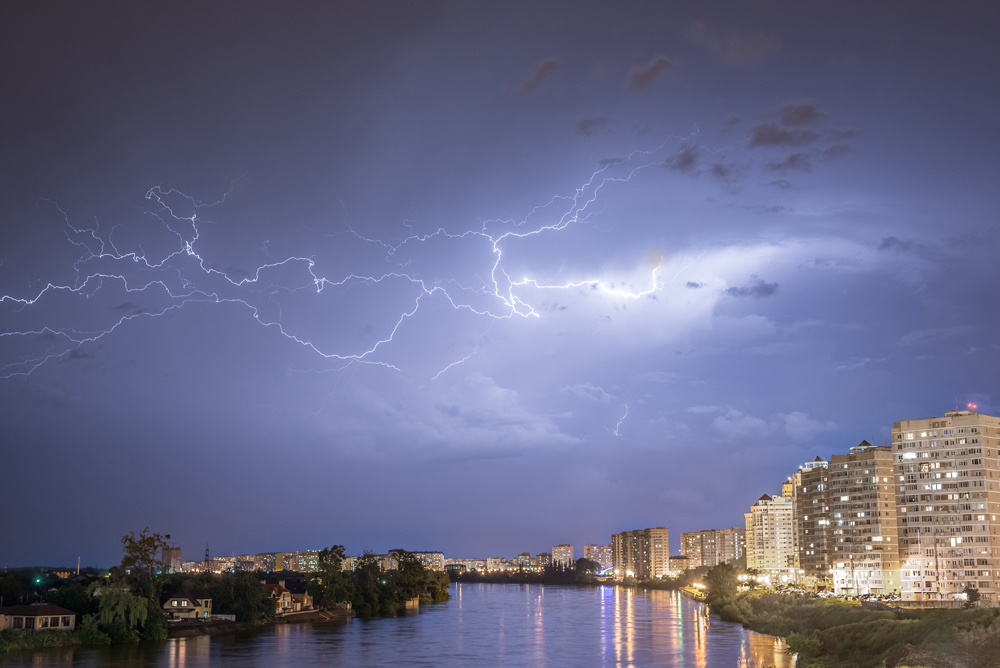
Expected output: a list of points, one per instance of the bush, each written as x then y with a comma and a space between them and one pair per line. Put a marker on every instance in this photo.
90, 634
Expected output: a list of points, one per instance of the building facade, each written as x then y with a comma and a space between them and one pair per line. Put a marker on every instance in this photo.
641, 554
712, 547
562, 555
770, 538
813, 528
863, 515
947, 488
599, 553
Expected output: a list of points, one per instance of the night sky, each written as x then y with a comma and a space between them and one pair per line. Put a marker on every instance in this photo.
472, 278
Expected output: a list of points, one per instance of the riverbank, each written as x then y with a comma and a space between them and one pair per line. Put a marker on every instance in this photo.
834, 633
193, 628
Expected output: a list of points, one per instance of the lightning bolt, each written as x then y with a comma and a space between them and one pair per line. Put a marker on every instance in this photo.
181, 275
617, 431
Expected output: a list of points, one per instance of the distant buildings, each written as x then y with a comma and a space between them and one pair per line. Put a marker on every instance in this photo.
468, 564
171, 558
562, 555
543, 559
641, 554
712, 547
600, 553
432, 561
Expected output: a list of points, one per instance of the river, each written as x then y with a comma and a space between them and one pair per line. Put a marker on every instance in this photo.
482, 625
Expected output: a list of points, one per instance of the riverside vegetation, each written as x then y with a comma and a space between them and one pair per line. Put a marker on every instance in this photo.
835, 633
124, 605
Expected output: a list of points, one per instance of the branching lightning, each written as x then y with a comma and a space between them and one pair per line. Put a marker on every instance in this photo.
182, 275
617, 431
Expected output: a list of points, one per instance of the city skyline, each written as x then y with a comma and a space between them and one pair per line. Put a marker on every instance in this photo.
429, 276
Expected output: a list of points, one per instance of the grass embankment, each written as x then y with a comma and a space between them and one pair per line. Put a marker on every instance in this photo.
833, 633
12, 639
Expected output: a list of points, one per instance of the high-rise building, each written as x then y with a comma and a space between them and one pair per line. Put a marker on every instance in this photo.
813, 528
599, 553
712, 547
171, 558
265, 561
769, 536
948, 500
432, 561
641, 554
543, 559
562, 555
863, 517
304, 562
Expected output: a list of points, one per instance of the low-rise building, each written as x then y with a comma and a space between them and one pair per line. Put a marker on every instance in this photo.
189, 605
37, 617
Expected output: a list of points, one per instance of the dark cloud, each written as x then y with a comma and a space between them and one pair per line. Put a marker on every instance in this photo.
793, 161
771, 134
893, 243
836, 151
741, 49
843, 133
721, 171
643, 77
800, 114
592, 125
755, 287
607, 162
694, 285
684, 160
124, 308
543, 70
77, 354
781, 183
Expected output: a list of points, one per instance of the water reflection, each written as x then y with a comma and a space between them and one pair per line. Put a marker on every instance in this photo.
506, 625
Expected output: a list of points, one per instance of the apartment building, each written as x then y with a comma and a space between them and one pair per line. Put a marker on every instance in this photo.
641, 554
711, 547
947, 489
813, 529
864, 521
770, 540
562, 555
599, 553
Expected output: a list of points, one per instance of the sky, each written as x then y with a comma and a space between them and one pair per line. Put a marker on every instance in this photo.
476, 279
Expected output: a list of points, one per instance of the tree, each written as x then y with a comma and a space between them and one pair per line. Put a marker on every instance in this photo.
241, 594
972, 596
121, 611
721, 583
584, 565
142, 556
330, 586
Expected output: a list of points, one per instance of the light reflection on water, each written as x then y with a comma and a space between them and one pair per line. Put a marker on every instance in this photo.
504, 625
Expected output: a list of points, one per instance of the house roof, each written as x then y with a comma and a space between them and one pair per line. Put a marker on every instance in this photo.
277, 590
44, 610
193, 594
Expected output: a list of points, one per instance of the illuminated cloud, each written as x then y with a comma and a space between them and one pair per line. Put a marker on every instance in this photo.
800, 427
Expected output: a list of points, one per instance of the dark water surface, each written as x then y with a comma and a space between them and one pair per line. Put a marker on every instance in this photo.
483, 625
